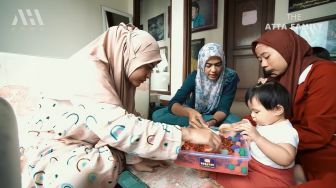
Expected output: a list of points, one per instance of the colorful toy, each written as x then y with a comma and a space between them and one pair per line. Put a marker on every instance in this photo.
232, 158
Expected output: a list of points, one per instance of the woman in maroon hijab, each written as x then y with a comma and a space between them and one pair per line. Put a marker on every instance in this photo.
288, 58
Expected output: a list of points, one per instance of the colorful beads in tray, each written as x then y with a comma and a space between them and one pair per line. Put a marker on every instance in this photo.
194, 147
231, 145
232, 158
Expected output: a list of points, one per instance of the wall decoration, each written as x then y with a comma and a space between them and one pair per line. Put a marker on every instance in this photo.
195, 47
295, 5
156, 27
203, 15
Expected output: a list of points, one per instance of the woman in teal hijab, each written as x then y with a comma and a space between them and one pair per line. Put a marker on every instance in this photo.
206, 96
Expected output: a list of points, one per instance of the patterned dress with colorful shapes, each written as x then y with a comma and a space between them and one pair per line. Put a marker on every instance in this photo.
82, 145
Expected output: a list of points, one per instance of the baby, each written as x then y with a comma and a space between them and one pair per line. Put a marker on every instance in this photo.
273, 141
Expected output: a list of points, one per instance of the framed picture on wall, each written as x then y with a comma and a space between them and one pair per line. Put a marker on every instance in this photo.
203, 15
156, 27
112, 17
195, 47
320, 32
160, 78
296, 5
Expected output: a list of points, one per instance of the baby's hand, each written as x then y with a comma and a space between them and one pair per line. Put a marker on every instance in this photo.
226, 127
232, 127
248, 131
195, 119
237, 125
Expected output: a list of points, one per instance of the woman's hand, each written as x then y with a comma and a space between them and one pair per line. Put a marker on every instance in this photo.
148, 165
195, 119
211, 122
248, 131
202, 136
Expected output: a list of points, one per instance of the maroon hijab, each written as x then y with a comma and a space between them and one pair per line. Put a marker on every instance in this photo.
294, 49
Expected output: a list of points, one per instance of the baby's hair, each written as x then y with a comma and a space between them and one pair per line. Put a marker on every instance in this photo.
321, 52
270, 94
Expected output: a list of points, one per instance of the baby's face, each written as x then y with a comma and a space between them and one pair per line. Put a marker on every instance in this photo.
261, 115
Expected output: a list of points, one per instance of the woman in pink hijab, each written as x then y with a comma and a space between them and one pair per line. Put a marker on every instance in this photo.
78, 136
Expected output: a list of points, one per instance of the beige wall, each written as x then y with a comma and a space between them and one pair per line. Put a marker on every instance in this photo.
67, 25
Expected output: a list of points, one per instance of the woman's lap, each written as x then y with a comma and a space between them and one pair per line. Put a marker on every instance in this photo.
164, 116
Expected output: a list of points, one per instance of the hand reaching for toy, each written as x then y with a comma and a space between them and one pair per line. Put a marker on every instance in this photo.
231, 127
202, 136
195, 119
248, 131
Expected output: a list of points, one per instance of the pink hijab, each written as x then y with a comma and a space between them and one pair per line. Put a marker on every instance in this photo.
105, 65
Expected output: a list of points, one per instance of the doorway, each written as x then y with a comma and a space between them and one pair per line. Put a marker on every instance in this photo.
245, 21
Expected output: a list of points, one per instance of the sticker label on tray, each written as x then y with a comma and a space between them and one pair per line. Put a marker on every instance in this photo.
207, 163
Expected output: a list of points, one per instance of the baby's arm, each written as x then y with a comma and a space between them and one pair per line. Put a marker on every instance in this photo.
282, 154
231, 126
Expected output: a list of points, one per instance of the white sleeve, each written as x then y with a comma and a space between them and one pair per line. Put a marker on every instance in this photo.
288, 135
